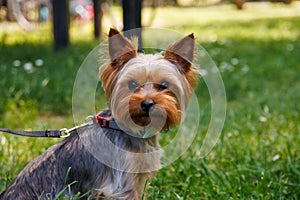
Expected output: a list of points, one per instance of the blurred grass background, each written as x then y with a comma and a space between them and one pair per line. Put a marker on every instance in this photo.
257, 52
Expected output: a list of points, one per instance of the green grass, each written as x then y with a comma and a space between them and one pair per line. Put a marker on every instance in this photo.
257, 51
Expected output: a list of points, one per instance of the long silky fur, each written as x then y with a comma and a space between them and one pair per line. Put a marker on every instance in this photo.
68, 167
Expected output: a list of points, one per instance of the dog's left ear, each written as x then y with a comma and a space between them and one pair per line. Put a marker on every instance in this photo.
120, 48
181, 53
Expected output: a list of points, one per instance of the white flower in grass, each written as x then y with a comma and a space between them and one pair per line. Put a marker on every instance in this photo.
245, 69
262, 119
234, 61
16, 63
39, 62
28, 67
276, 157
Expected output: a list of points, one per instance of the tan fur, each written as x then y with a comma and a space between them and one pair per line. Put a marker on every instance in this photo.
148, 72
175, 67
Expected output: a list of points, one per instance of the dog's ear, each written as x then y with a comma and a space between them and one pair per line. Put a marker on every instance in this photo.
181, 53
120, 48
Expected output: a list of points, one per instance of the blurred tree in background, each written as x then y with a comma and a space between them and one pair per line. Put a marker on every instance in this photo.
28, 13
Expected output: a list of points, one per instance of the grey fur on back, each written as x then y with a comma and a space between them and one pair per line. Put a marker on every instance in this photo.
70, 163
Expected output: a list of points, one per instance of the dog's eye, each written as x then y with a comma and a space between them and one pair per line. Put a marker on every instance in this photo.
132, 85
163, 85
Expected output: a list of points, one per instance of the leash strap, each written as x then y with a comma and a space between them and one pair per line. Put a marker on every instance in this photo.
46, 133
101, 121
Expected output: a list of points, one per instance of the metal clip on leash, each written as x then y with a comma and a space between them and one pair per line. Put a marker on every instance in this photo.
67, 132
64, 132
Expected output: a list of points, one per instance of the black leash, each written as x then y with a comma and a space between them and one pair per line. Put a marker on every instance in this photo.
46, 133
62, 133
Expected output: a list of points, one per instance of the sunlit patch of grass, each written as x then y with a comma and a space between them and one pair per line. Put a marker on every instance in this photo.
205, 16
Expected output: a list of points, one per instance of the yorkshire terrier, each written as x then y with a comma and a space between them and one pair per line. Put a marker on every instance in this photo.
112, 156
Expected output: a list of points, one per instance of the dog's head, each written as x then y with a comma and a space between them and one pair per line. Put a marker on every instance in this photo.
146, 91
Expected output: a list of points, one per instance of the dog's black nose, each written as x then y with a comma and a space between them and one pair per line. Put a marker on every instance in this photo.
146, 105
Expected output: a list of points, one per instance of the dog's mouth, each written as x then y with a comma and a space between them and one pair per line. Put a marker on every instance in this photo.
153, 113
141, 120
144, 119
157, 115
148, 115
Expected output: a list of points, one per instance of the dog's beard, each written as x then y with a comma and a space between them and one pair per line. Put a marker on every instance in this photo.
165, 113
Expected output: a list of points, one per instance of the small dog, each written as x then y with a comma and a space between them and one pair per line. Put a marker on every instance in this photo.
112, 156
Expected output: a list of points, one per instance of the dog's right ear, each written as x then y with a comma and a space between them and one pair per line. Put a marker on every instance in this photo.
121, 50
181, 53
